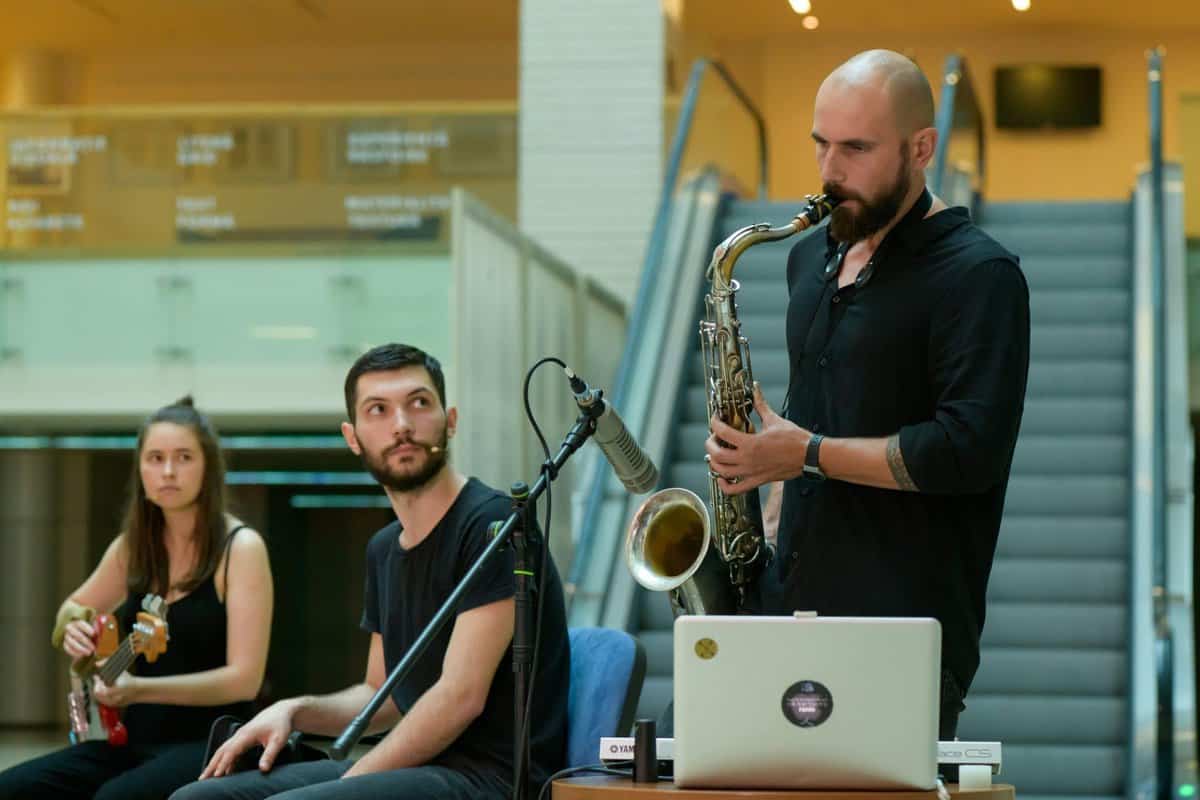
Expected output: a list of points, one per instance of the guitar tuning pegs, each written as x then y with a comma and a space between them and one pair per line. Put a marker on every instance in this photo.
153, 604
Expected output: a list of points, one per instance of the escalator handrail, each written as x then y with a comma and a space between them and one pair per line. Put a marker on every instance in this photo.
1164, 668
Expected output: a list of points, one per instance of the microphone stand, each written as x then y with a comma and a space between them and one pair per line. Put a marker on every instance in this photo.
514, 528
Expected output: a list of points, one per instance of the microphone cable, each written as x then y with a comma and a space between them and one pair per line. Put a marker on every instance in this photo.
547, 468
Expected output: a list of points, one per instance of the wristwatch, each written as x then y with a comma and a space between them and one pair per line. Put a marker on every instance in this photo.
812, 459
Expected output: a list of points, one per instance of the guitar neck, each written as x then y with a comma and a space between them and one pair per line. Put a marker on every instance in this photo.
118, 662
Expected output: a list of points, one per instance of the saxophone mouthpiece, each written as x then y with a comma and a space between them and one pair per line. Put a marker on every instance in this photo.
819, 207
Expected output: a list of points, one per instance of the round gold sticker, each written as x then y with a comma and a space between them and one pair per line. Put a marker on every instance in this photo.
706, 648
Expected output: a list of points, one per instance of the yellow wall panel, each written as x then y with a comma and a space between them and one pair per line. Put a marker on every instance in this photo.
1189, 126
412, 72
1084, 164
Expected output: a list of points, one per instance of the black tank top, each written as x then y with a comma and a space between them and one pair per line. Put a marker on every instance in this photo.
197, 625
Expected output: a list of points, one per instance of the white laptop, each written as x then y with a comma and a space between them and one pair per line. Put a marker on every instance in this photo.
806, 702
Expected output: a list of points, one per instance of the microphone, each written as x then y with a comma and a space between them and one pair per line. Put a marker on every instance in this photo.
631, 464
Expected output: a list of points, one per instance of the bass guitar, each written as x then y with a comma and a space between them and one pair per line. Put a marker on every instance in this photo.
92, 720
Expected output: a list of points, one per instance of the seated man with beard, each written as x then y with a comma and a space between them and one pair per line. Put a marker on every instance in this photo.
450, 723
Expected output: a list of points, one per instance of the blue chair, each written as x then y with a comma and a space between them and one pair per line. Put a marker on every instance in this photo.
607, 669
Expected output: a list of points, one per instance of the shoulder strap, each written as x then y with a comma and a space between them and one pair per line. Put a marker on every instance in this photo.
228, 547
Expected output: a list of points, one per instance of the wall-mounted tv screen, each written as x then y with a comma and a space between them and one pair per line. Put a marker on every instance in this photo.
1044, 96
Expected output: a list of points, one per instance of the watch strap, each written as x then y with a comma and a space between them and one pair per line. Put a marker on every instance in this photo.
812, 458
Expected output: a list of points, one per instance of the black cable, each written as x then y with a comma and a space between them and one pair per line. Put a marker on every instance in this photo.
603, 769
522, 755
528, 409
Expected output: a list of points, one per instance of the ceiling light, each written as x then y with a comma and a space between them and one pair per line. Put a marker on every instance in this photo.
800, 6
810, 23
1021, 5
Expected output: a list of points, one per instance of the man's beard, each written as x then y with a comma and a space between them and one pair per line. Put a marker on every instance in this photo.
407, 482
850, 226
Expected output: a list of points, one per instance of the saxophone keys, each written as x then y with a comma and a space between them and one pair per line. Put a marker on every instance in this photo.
708, 464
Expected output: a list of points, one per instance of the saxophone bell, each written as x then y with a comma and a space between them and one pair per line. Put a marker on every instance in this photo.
669, 548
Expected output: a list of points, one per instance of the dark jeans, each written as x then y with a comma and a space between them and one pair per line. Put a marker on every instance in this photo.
99, 770
322, 780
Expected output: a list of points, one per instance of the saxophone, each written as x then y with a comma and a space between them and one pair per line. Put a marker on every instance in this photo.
670, 545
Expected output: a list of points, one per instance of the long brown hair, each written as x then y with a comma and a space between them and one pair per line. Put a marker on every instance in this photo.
149, 568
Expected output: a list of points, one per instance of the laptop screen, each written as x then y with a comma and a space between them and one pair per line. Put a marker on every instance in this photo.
806, 702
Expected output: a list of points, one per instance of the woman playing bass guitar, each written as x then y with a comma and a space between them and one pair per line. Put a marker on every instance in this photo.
177, 542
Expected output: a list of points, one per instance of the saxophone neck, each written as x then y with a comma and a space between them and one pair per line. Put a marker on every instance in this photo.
720, 270
725, 256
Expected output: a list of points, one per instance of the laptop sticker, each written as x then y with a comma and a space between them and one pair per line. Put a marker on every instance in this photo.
807, 704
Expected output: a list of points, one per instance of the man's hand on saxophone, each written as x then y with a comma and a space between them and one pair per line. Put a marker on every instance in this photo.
745, 461
778, 452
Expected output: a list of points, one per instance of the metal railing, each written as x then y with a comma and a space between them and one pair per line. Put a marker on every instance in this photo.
1163, 639
958, 114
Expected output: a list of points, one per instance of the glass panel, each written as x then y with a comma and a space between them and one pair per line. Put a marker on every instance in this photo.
723, 134
185, 181
1189, 148
255, 336
964, 151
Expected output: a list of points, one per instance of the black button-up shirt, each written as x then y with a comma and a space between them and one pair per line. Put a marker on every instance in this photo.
931, 342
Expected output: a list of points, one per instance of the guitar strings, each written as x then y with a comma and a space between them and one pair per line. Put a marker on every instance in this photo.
118, 662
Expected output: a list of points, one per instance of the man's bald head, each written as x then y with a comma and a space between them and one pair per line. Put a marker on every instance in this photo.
874, 136
898, 78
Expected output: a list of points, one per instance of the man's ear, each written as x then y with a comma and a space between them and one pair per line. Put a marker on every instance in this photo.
451, 422
351, 438
924, 144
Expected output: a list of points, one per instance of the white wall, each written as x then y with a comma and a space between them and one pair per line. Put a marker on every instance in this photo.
591, 141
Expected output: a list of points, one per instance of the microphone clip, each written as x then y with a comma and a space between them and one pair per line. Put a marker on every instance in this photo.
589, 400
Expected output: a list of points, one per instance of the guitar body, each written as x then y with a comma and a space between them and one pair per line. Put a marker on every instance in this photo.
110, 720
94, 721
90, 720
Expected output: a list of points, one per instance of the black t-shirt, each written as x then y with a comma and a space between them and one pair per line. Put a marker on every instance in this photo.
405, 588
932, 342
